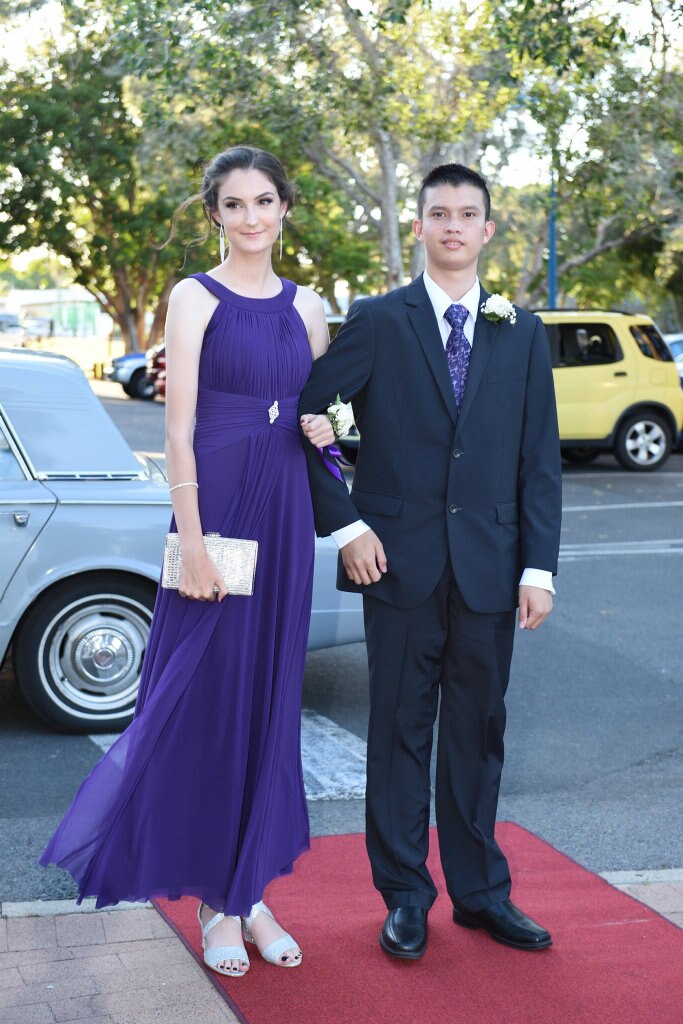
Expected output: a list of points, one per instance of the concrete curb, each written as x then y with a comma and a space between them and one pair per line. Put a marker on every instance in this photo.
54, 908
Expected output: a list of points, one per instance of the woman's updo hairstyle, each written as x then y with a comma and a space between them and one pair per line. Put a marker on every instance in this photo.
244, 158
237, 158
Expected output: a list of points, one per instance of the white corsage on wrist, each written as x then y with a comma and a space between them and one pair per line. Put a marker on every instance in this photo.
496, 308
340, 416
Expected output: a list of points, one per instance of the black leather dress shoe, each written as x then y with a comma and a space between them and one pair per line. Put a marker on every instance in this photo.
507, 924
405, 932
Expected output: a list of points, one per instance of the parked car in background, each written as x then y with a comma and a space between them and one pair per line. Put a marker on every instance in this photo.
675, 344
38, 327
11, 331
156, 364
82, 526
160, 384
618, 389
130, 371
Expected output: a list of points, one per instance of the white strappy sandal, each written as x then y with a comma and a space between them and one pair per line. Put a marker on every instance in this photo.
213, 957
274, 950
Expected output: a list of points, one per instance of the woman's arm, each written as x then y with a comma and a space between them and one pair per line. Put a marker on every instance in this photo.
189, 309
316, 428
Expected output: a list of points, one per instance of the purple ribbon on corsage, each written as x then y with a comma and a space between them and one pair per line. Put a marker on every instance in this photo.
330, 464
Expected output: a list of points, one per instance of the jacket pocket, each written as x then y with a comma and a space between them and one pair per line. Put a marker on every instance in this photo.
507, 512
382, 504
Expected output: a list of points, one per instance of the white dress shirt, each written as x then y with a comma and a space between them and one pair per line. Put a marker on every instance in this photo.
440, 301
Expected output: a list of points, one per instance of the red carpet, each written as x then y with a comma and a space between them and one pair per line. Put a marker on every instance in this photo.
613, 961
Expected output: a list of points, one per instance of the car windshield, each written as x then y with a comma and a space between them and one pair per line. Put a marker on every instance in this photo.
59, 423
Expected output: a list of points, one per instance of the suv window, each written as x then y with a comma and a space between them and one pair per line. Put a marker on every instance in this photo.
651, 343
582, 344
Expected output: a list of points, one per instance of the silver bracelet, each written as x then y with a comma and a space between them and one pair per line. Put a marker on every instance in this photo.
188, 483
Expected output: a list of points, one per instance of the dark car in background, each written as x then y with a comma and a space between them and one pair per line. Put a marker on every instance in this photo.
156, 365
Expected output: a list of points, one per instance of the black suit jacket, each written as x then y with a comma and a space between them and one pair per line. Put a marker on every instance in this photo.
482, 486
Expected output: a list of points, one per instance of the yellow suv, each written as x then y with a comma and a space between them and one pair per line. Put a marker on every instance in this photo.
618, 388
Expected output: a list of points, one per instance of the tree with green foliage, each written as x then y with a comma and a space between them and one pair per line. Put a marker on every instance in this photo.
72, 181
359, 103
373, 97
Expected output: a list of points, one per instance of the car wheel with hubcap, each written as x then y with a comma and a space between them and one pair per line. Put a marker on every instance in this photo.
139, 387
643, 442
78, 653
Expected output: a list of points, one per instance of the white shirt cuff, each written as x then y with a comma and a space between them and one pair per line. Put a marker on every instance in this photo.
349, 533
537, 578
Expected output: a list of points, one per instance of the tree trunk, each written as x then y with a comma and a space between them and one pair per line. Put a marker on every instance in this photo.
127, 321
678, 305
159, 319
533, 265
417, 260
391, 236
331, 300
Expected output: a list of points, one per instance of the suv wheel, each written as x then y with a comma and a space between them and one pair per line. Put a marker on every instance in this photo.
79, 652
643, 442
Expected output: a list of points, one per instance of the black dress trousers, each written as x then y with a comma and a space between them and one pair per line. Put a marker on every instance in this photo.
413, 653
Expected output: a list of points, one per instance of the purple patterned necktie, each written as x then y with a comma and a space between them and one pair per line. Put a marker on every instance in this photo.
458, 350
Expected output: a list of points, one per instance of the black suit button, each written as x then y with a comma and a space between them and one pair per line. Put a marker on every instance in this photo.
454, 508
457, 452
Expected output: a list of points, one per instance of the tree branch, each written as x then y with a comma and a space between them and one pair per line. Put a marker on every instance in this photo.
341, 183
370, 49
601, 247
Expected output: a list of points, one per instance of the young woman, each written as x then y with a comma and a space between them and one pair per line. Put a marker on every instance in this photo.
203, 794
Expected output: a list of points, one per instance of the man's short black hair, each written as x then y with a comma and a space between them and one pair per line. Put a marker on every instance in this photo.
453, 174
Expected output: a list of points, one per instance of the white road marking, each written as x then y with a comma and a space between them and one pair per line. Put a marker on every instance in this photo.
574, 552
646, 876
104, 740
624, 474
626, 505
333, 758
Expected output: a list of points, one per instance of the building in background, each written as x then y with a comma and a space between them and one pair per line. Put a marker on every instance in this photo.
58, 312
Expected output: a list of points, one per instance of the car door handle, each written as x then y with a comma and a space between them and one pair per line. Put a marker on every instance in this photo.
620, 373
20, 518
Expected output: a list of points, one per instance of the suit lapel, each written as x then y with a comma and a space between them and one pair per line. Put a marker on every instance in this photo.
485, 336
421, 316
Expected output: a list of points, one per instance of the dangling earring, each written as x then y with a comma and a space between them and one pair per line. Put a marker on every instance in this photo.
221, 242
281, 220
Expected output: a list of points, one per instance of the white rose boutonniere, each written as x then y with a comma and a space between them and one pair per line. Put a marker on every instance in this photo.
496, 308
340, 416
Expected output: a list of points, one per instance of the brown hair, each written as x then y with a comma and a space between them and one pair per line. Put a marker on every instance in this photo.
242, 158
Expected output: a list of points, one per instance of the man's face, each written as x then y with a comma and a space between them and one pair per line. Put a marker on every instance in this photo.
453, 227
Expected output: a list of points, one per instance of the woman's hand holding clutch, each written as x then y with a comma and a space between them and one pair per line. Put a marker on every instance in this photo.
200, 580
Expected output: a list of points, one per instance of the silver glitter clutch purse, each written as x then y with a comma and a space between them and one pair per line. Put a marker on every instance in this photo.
235, 560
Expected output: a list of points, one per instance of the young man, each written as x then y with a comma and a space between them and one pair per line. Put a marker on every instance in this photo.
452, 523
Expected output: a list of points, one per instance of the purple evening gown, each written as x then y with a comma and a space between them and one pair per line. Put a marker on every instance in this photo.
203, 794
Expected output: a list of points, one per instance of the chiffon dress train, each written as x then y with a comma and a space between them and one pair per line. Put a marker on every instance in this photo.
203, 793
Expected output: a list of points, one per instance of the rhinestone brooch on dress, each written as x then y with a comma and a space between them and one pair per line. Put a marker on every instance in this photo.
273, 412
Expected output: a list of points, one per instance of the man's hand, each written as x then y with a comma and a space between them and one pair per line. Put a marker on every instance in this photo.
535, 605
364, 558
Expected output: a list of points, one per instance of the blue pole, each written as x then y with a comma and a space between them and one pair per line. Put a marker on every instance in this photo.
552, 243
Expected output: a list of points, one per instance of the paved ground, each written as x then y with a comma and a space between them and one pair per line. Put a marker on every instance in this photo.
128, 967
118, 967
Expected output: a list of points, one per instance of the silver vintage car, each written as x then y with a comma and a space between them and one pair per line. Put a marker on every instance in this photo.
82, 525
